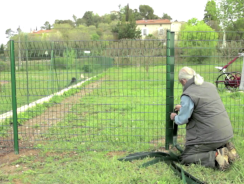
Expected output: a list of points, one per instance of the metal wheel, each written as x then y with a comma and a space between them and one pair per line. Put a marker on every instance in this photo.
231, 82
238, 75
222, 82
235, 80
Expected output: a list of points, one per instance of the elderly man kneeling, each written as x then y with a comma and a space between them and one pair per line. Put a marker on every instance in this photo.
208, 127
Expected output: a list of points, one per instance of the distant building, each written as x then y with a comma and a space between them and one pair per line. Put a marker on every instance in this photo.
114, 12
42, 31
158, 27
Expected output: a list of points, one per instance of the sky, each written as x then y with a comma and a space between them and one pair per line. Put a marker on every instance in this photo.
29, 14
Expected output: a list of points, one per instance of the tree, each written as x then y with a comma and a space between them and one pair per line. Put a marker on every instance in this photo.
1, 49
229, 11
146, 11
113, 16
70, 22
127, 30
75, 19
9, 33
198, 39
128, 12
166, 16
46, 26
237, 29
80, 21
88, 17
96, 20
19, 30
137, 15
210, 15
106, 18
64, 30
210, 11
121, 12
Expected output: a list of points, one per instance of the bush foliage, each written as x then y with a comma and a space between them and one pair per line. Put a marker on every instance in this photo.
198, 41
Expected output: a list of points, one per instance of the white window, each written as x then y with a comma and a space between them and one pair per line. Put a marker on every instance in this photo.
144, 32
160, 31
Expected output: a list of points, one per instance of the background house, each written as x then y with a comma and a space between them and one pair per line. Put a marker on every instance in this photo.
158, 27
176, 26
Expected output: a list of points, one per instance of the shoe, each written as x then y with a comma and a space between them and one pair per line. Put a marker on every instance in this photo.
222, 158
233, 155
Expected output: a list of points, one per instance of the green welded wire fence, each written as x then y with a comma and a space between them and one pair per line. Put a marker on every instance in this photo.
204, 51
112, 95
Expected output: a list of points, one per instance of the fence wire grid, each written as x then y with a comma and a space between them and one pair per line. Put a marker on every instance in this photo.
109, 95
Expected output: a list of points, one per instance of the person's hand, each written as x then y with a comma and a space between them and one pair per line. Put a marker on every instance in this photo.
177, 108
172, 116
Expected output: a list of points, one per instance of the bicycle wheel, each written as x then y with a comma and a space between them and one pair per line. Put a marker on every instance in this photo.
222, 82
232, 82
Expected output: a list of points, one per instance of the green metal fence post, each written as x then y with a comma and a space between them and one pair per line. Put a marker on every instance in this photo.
51, 81
169, 88
27, 75
14, 102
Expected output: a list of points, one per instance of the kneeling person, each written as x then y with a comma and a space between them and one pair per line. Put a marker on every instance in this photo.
208, 127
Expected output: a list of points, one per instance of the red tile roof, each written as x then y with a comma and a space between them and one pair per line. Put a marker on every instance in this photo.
42, 31
156, 21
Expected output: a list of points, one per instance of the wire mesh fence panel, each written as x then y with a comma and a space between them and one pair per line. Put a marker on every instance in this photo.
89, 95
111, 95
6, 143
216, 57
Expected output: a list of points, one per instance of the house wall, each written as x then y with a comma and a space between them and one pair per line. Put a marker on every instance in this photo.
176, 26
154, 29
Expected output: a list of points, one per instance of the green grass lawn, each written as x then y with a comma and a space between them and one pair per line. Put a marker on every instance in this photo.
89, 167
36, 84
126, 114
103, 167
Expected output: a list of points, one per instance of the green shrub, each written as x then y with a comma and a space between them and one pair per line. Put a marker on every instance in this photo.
198, 41
87, 68
95, 37
37, 67
150, 36
67, 61
125, 62
60, 63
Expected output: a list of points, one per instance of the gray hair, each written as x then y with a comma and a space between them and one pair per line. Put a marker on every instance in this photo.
188, 73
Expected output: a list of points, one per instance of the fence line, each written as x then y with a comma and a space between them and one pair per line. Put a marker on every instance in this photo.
40, 101
123, 105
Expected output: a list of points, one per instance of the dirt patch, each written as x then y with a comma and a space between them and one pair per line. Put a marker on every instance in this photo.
180, 140
11, 157
29, 133
8, 168
17, 181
